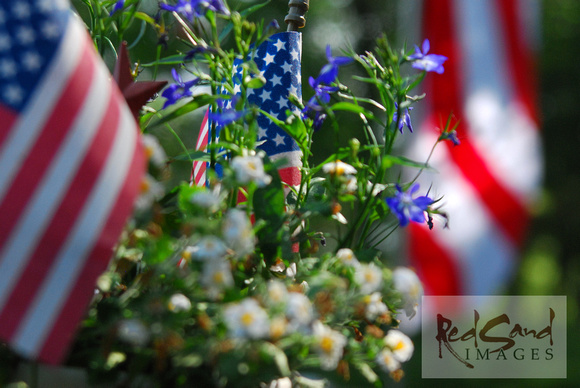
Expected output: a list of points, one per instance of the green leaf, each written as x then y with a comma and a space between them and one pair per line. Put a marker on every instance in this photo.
143, 16
197, 102
170, 60
246, 12
295, 128
402, 161
272, 352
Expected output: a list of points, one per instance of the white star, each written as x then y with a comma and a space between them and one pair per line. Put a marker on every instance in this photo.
50, 30
7, 68
21, 10
237, 89
31, 61
269, 59
265, 95
276, 80
282, 102
279, 140
5, 43
25, 35
287, 67
295, 55
279, 45
293, 90
13, 94
262, 133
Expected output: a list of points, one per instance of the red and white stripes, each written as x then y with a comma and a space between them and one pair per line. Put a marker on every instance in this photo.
490, 180
71, 165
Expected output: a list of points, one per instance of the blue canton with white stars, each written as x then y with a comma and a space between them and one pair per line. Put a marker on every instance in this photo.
278, 60
30, 32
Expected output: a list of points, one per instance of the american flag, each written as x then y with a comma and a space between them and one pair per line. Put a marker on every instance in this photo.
278, 60
71, 164
491, 179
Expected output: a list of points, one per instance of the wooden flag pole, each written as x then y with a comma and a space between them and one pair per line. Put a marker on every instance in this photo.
295, 18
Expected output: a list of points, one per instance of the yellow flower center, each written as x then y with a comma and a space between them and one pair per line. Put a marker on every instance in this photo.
326, 344
148, 152
369, 276
400, 345
218, 277
247, 319
145, 186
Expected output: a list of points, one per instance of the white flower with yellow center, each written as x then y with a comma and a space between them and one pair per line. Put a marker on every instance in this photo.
347, 257
216, 276
329, 345
374, 306
338, 168
369, 277
278, 327
408, 284
401, 345
277, 292
209, 247
150, 191
238, 232
250, 169
153, 150
178, 303
247, 320
387, 361
299, 310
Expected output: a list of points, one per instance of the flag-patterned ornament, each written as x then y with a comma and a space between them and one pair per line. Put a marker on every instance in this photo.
71, 162
488, 181
279, 61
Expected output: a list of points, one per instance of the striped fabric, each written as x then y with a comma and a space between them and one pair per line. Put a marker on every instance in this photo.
71, 163
278, 59
491, 179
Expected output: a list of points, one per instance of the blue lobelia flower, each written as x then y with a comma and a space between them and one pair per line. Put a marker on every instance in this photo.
428, 62
118, 6
406, 120
227, 115
451, 136
329, 72
313, 107
178, 90
406, 208
192, 9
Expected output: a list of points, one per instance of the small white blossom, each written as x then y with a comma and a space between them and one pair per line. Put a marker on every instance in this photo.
133, 331
387, 361
209, 247
277, 292
408, 284
216, 276
150, 191
206, 200
374, 306
347, 257
250, 169
369, 277
401, 345
153, 150
338, 168
238, 232
329, 344
178, 303
247, 320
299, 310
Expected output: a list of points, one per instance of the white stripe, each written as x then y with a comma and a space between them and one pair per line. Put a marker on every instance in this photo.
501, 132
485, 258
291, 159
59, 283
201, 136
31, 121
38, 214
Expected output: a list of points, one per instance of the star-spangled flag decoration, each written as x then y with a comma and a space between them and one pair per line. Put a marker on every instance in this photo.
71, 163
279, 61
491, 179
